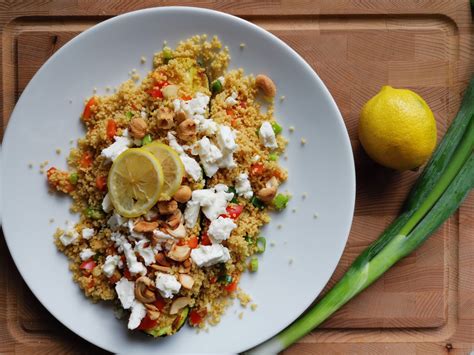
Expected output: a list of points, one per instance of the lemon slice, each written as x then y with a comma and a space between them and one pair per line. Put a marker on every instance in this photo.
173, 168
135, 182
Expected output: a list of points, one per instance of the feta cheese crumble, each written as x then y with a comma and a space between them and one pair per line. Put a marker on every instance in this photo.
126, 292
208, 255
134, 266
191, 213
267, 135
87, 233
121, 144
69, 237
220, 229
86, 253
167, 285
213, 203
110, 265
243, 187
191, 166
145, 252
137, 314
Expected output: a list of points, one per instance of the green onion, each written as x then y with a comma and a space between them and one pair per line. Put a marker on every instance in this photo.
216, 86
273, 157
232, 189
256, 202
439, 191
261, 245
167, 54
253, 265
276, 127
73, 178
93, 213
146, 140
249, 239
280, 201
129, 115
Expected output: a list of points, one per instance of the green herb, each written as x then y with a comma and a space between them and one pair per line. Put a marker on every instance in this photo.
256, 202
232, 189
129, 115
73, 178
276, 127
249, 239
439, 191
273, 157
253, 265
146, 140
216, 86
167, 54
225, 279
261, 245
93, 213
280, 201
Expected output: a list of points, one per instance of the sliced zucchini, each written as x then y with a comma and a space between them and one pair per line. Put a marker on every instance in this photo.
171, 328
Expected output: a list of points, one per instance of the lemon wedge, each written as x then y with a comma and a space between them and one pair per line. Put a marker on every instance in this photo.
173, 168
135, 182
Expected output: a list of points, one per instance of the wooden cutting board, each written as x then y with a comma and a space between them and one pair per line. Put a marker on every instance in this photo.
425, 304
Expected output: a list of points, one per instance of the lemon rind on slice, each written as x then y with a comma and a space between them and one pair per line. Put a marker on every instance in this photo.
169, 187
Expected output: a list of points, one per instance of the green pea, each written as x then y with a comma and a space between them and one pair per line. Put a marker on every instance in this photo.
73, 178
146, 140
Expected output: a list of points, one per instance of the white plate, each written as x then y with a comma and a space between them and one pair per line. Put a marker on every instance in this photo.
44, 119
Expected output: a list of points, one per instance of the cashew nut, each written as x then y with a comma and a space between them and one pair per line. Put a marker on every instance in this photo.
138, 127
179, 252
174, 220
143, 291
179, 303
267, 194
179, 232
183, 194
186, 130
186, 281
144, 226
167, 207
152, 311
164, 118
266, 84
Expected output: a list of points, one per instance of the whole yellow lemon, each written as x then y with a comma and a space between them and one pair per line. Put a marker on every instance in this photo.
397, 129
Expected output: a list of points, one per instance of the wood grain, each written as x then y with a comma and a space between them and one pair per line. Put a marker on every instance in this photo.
425, 304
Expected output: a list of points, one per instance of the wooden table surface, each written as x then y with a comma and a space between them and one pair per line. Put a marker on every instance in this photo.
425, 304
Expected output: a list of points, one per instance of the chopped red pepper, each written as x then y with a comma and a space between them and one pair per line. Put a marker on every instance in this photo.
61, 182
233, 211
127, 274
257, 169
159, 303
205, 239
161, 84
86, 160
229, 112
196, 316
234, 122
156, 93
213, 280
87, 110
243, 104
101, 182
111, 129
193, 242
186, 98
88, 265
147, 323
232, 286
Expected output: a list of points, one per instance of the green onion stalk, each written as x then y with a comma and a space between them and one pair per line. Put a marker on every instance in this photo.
437, 194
